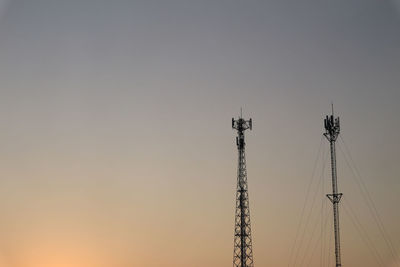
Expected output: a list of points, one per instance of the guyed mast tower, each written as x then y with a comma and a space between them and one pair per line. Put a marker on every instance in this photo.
332, 130
242, 251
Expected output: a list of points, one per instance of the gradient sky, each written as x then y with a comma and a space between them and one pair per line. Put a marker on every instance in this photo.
116, 147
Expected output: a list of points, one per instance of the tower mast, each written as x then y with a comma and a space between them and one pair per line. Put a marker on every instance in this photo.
242, 251
332, 129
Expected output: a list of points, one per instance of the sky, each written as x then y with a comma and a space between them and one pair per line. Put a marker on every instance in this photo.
116, 147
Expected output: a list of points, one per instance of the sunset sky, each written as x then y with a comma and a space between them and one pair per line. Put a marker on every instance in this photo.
116, 147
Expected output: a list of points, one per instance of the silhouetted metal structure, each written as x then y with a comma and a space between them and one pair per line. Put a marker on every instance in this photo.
243, 251
332, 129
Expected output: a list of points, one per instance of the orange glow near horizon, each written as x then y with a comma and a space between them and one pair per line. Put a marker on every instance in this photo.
58, 251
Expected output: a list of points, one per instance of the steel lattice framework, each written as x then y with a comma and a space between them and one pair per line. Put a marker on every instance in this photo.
332, 130
243, 250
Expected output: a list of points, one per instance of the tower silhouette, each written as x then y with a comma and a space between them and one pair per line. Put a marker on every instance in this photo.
332, 130
243, 250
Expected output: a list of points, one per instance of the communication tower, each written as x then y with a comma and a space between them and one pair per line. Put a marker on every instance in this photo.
243, 250
332, 129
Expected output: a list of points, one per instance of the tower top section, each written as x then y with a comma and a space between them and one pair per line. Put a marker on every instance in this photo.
241, 124
332, 127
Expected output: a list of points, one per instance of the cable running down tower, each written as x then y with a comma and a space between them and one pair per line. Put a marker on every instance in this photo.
242, 251
332, 129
